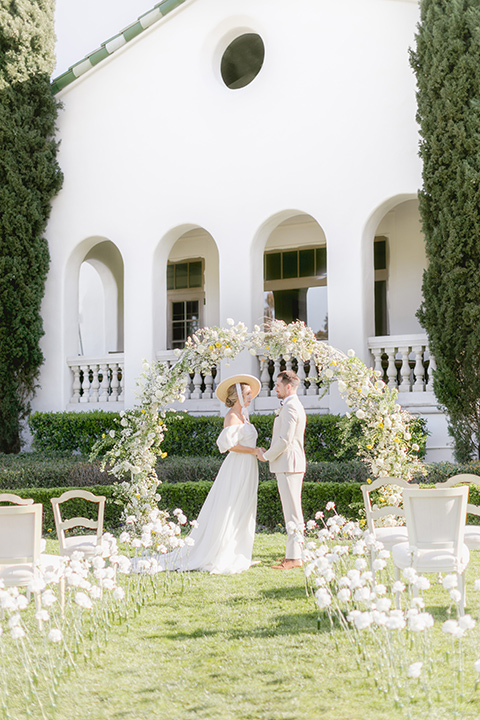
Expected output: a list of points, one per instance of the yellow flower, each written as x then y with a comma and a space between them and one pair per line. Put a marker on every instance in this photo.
369, 447
397, 440
334, 362
164, 455
380, 425
137, 495
210, 347
143, 410
369, 480
294, 339
103, 436
218, 345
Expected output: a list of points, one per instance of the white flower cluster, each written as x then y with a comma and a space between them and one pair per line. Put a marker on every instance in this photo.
385, 620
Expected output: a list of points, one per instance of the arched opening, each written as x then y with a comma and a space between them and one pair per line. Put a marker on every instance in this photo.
100, 301
399, 261
192, 287
295, 274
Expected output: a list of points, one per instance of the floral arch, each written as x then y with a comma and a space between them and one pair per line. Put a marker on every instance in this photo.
131, 451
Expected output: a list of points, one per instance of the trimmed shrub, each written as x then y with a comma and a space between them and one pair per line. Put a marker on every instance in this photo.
31, 470
36, 470
76, 507
70, 432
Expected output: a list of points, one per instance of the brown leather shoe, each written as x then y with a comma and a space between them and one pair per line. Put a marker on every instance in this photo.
287, 564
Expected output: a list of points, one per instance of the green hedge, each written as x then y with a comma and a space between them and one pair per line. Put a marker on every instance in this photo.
75, 507
327, 437
35, 470
190, 496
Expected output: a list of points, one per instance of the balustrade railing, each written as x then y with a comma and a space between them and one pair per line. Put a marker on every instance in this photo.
97, 380
202, 386
404, 362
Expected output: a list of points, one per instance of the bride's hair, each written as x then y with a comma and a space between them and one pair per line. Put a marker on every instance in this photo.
232, 396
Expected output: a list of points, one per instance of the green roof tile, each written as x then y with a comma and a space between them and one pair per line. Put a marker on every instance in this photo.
114, 43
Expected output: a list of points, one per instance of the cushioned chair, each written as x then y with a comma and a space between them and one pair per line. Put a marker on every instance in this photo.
21, 560
436, 522
86, 544
472, 532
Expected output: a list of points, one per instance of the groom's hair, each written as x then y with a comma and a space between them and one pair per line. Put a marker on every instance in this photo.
288, 377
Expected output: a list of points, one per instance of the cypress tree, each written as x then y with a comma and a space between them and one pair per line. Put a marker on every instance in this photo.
446, 62
29, 178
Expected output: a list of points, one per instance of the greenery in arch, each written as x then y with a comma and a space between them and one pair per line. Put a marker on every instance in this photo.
131, 451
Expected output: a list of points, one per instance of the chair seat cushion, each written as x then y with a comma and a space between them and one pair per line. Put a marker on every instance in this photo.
17, 574
390, 536
472, 537
81, 543
435, 560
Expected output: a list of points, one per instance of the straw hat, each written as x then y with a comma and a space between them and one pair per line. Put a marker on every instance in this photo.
222, 389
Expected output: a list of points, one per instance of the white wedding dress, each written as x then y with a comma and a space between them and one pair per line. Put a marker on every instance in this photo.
223, 540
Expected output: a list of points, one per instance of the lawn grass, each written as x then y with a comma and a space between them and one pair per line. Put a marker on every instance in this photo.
240, 647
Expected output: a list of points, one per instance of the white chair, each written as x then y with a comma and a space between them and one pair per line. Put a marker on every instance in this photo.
21, 560
391, 535
16, 499
86, 544
471, 532
435, 521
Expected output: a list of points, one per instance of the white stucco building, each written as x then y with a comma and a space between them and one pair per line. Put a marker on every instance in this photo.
234, 159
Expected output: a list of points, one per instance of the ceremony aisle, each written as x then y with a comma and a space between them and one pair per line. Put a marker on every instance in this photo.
241, 647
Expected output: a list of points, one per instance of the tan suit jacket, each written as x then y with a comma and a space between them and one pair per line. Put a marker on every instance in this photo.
286, 453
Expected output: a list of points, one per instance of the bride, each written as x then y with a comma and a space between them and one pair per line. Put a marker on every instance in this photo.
225, 530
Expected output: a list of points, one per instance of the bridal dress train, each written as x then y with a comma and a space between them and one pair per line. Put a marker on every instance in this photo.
223, 540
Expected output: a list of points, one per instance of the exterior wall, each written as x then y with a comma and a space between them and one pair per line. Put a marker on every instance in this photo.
406, 263
165, 162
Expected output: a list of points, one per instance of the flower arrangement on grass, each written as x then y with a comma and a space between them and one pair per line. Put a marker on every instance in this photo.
412, 659
42, 639
131, 451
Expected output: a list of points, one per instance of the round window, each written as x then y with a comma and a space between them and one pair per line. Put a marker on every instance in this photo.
242, 60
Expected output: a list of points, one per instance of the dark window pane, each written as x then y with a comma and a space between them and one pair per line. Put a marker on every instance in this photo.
290, 264
178, 332
307, 263
178, 311
273, 267
181, 276
321, 254
380, 255
242, 60
195, 274
381, 307
170, 277
192, 309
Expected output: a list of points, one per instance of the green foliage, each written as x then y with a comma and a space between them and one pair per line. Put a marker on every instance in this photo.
70, 432
190, 496
76, 507
328, 438
32, 470
447, 66
29, 178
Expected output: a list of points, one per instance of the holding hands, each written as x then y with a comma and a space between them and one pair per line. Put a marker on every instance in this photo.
259, 453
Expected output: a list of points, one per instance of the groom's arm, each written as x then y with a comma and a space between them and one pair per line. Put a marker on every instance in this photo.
288, 419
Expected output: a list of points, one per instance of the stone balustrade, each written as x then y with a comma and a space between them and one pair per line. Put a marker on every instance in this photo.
404, 362
97, 380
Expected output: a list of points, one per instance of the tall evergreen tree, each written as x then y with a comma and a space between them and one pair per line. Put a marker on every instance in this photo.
29, 178
447, 66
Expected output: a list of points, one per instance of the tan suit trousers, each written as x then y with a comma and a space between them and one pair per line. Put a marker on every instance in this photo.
290, 491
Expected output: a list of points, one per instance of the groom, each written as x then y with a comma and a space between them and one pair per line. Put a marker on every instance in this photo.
287, 460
